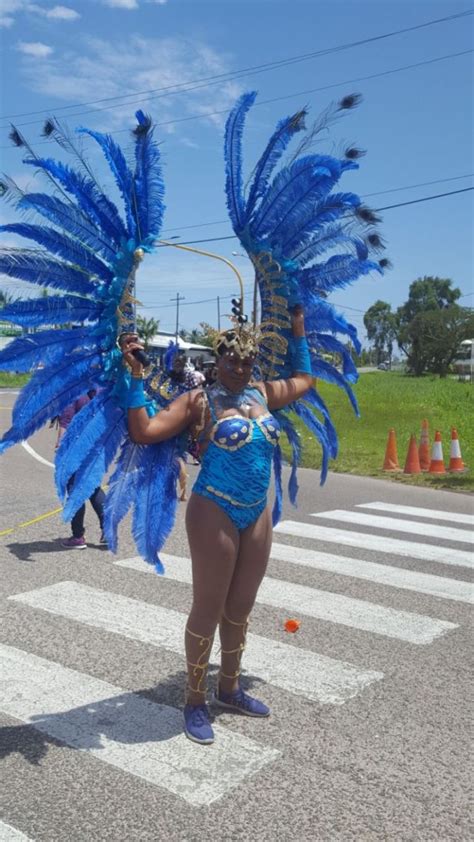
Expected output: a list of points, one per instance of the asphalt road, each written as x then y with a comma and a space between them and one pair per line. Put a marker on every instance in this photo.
369, 735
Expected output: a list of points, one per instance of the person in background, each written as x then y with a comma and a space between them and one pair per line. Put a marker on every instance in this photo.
77, 540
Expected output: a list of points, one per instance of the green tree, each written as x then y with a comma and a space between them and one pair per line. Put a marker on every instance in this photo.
426, 295
381, 326
146, 329
6, 298
435, 336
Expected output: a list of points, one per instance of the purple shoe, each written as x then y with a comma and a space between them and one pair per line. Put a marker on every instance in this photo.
74, 543
241, 703
197, 726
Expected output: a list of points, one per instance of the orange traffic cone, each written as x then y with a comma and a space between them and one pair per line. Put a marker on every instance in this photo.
424, 449
455, 460
437, 461
412, 464
390, 462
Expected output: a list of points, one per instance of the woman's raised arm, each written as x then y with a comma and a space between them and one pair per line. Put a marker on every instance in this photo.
282, 392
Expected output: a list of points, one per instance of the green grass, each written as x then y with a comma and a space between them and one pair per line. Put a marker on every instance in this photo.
13, 381
391, 399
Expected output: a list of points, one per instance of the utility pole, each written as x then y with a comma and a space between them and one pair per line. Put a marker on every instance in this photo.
218, 313
177, 299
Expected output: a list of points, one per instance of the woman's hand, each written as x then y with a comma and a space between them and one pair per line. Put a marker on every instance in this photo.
128, 345
297, 321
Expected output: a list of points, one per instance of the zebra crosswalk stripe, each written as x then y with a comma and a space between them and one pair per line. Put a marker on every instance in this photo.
323, 605
125, 730
430, 530
380, 574
415, 511
297, 670
380, 543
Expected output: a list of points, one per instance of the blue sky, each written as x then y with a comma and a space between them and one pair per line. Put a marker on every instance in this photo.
416, 124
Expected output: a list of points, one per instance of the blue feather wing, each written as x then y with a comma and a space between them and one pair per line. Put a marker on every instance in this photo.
58, 243
156, 499
122, 490
122, 174
46, 347
148, 181
94, 466
233, 159
34, 312
90, 200
33, 266
275, 148
48, 393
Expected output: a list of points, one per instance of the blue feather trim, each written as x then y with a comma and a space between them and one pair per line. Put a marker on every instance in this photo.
53, 310
148, 182
66, 247
156, 499
46, 347
35, 267
122, 490
122, 174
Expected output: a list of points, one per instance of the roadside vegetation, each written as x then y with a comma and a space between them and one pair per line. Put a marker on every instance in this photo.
393, 399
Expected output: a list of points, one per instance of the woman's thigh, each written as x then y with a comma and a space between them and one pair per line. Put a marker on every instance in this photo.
254, 551
214, 545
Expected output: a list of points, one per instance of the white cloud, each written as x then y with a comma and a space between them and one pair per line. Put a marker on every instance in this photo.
141, 64
122, 4
8, 8
55, 13
34, 48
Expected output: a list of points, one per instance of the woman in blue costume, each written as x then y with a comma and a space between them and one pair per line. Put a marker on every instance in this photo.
233, 422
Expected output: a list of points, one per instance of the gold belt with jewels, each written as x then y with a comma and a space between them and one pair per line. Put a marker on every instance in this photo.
230, 499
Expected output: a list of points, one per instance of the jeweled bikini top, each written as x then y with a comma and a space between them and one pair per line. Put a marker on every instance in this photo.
234, 431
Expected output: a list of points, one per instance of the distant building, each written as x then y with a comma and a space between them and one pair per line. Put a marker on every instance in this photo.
160, 342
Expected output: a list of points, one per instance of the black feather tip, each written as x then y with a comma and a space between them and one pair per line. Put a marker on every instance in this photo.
16, 137
350, 101
48, 128
144, 124
367, 215
385, 263
3, 188
375, 241
352, 153
297, 121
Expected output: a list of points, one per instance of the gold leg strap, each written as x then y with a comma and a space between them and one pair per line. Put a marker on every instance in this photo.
200, 666
238, 651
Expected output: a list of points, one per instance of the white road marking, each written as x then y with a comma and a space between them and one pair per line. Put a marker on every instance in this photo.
11, 834
380, 574
430, 530
299, 671
36, 455
383, 544
431, 514
125, 730
324, 605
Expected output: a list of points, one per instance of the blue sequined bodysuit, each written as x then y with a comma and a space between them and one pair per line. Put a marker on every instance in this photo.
236, 467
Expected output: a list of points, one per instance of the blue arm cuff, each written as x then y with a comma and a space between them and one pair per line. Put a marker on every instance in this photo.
298, 353
136, 397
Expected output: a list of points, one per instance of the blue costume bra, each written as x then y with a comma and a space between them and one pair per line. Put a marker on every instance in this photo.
236, 466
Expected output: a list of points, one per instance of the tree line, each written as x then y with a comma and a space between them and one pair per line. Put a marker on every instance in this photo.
429, 327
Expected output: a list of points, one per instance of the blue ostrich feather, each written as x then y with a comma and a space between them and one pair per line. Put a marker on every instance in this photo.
156, 499
70, 219
315, 401
46, 347
148, 182
94, 466
277, 506
90, 199
58, 243
339, 271
302, 185
329, 373
233, 159
322, 316
53, 310
315, 427
275, 148
82, 435
294, 440
332, 345
122, 490
309, 218
170, 354
48, 393
122, 174
35, 267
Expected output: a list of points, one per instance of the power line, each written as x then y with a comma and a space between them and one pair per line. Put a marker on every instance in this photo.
278, 98
259, 68
387, 207
365, 196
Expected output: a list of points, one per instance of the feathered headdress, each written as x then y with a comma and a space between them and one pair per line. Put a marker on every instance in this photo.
287, 219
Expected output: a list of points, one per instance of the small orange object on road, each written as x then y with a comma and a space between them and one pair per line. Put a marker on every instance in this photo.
292, 625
